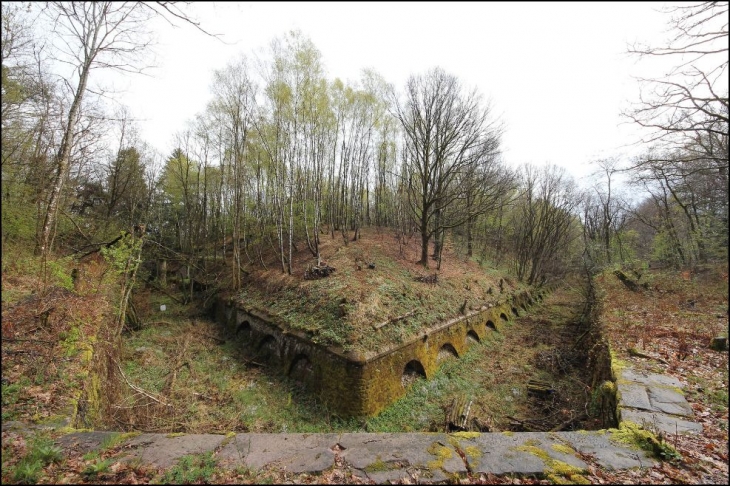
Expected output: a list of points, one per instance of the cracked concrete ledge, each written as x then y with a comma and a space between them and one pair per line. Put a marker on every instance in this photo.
653, 401
427, 457
656, 402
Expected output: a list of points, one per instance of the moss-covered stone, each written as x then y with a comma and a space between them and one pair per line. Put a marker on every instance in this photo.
556, 471
358, 384
564, 448
466, 435
441, 452
633, 435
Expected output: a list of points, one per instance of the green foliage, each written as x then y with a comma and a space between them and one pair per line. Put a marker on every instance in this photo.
59, 273
123, 256
718, 399
18, 222
633, 434
96, 468
190, 469
41, 452
10, 394
664, 249
27, 472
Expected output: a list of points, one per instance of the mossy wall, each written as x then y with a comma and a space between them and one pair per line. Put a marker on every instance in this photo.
362, 385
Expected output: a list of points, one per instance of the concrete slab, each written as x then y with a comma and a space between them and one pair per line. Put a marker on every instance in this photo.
668, 400
163, 451
295, 453
411, 457
609, 454
634, 395
666, 423
645, 378
84, 442
387, 457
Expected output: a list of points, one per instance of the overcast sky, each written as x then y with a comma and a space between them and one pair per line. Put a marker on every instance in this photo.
557, 73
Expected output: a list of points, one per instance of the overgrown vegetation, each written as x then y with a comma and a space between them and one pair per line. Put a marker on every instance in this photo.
345, 308
102, 328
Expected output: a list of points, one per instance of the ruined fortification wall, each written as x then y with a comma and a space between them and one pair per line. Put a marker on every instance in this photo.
355, 385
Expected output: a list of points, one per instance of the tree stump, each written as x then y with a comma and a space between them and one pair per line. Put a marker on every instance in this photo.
719, 343
539, 388
458, 415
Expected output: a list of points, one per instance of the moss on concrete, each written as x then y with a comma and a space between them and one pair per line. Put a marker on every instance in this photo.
379, 466
564, 448
635, 436
473, 452
466, 435
558, 472
441, 452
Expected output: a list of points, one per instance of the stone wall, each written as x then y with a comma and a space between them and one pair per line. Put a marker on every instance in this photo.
352, 384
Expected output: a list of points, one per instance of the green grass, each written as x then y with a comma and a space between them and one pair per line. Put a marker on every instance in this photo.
42, 451
193, 468
97, 468
421, 409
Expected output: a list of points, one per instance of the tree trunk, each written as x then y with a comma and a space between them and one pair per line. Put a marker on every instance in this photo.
63, 159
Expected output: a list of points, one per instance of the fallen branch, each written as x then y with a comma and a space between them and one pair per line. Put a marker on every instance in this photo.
253, 363
639, 354
216, 339
101, 245
157, 287
179, 363
138, 389
540, 388
164, 323
28, 341
524, 424
568, 423
395, 319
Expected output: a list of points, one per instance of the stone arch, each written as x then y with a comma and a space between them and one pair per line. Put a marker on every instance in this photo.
515, 312
268, 348
504, 317
412, 371
472, 337
491, 325
301, 368
243, 328
446, 351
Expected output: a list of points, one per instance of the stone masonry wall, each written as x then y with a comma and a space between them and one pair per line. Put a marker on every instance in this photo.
353, 385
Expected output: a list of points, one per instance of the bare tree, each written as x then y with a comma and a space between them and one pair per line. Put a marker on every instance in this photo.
691, 101
447, 133
544, 223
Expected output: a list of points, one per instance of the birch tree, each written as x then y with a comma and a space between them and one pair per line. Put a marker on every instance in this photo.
89, 36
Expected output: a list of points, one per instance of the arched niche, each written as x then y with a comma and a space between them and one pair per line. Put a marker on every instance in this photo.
243, 329
268, 348
472, 337
446, 351
301, 368
412, 371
